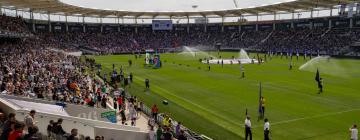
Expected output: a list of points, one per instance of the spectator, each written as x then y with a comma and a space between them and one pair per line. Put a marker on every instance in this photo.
122, 115
2, 120
133, 114
74, 133
50, 128
32, 133
120, 102
167, 135
7, 128
17, 132
29, 119
181, 136
152, 134
58, 130
103, 101
177, 129
154, 112
166, 121
151, 122
159, 133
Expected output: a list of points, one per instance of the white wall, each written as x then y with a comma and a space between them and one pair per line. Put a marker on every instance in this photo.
86, 127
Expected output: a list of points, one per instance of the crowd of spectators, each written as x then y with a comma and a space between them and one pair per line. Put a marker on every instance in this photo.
27, 129
329, 41
12, 24
29, 67
321, 39
32, 69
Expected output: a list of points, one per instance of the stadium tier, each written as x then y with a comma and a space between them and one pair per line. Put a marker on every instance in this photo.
277, 79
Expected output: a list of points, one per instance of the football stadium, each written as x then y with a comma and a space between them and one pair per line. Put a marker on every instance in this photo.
179, 70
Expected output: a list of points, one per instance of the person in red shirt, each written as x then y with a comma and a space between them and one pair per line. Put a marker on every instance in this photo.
87, 100
154, 111
120, 101
17, 131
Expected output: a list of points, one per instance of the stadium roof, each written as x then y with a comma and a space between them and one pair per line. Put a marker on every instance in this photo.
59, 7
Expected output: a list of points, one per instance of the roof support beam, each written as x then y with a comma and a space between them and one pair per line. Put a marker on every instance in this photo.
37, 9
59, 9
236, 12
75, 11
250, 11
319, 3
56, 6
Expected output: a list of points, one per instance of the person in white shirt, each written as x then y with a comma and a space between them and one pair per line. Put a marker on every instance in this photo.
152, 134
266, 129
29, 119
354, 132
248, 128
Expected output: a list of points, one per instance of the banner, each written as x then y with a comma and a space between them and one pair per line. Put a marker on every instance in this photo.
162, 25
110, 115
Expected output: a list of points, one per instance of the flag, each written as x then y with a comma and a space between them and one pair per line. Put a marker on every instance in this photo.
317, 76
260, 94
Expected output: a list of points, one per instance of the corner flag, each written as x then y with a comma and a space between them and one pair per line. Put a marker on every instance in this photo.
317, 77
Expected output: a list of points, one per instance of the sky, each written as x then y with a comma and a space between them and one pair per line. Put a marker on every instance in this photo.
169, 5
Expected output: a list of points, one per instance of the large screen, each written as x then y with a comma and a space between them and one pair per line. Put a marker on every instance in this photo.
162, 25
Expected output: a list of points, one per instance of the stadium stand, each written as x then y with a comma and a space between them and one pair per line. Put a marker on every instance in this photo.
36, 73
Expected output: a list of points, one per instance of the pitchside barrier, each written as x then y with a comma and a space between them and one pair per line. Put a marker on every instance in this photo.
86, 127
191, 135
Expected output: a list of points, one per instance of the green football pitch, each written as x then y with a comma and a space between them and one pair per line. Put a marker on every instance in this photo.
214, 102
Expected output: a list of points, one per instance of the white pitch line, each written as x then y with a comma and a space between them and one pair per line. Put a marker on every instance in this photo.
256, 126
184, 99
312, 117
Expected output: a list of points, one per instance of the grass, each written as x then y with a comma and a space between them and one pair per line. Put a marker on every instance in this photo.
214, 102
